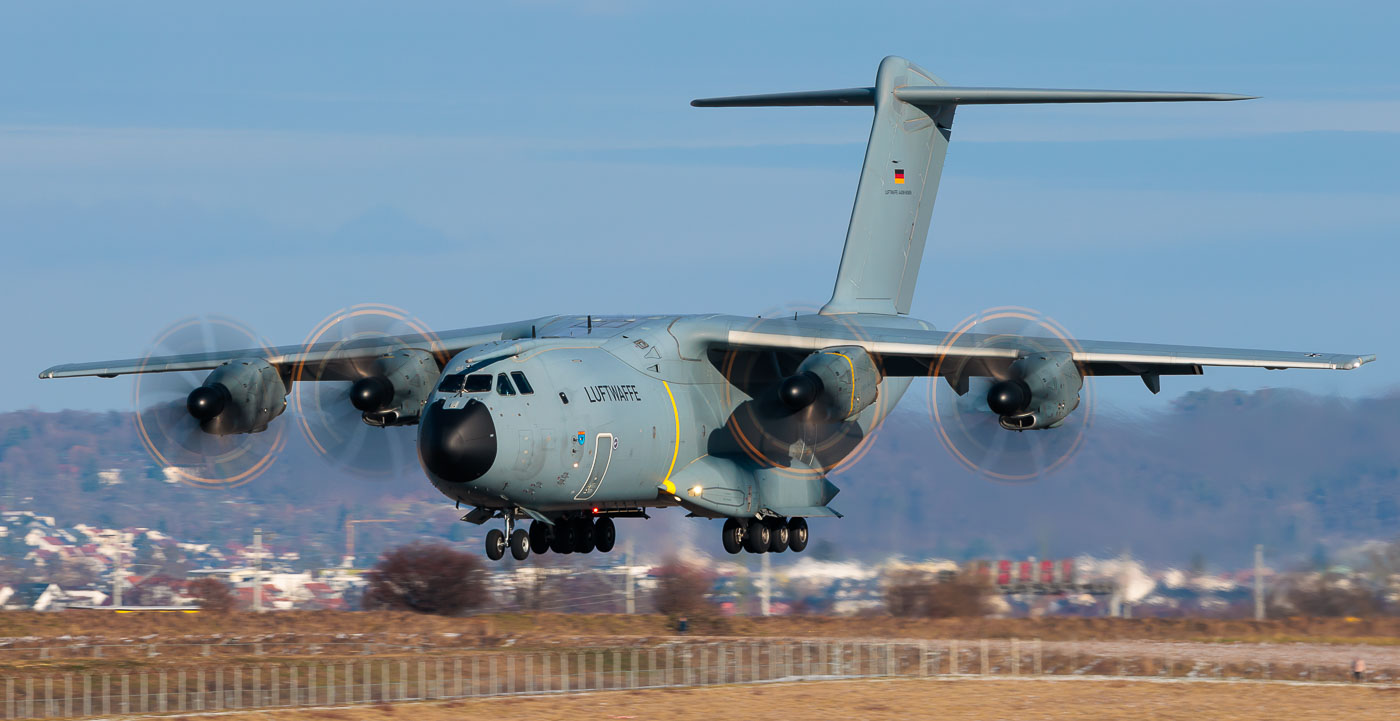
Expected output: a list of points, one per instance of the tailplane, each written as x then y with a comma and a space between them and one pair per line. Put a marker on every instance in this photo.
903, 163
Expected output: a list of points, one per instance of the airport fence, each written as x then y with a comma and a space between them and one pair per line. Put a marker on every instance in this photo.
254, 686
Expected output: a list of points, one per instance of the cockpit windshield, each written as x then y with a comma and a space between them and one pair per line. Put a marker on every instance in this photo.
463, 383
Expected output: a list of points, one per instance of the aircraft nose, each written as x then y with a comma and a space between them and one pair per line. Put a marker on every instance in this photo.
457, 444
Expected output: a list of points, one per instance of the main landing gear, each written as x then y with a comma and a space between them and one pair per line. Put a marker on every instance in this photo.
580, 534
767, 535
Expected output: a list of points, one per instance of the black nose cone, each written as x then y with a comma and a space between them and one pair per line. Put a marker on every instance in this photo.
457, 444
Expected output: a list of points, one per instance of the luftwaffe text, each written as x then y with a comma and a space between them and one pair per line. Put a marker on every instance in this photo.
598, 394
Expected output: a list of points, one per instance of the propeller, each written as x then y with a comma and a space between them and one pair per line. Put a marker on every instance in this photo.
968, 422
781, 418
176, 411
345, 414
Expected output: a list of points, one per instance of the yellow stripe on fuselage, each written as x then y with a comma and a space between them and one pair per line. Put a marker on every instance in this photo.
676, 450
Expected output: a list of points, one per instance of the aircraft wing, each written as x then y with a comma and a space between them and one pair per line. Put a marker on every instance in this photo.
922, 352
322, 361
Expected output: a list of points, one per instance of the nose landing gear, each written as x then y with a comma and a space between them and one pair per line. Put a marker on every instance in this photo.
578, 534
768, 535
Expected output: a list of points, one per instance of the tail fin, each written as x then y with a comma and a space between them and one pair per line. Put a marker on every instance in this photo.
903, 163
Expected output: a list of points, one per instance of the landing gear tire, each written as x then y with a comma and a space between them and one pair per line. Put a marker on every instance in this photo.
797, 534
583, 535
604, 534
562, 540
757, 538
520, 544
495, 544
733, 535
539, 537
777, 535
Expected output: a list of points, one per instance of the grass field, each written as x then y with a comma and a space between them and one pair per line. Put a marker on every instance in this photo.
23, 627
1064, 700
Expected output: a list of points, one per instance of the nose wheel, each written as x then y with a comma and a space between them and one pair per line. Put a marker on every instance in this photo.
495, 544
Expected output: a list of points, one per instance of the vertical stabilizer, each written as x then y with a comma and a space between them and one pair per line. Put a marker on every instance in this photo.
903, 163
894, 200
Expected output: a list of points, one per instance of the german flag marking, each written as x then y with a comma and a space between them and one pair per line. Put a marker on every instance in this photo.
899, 176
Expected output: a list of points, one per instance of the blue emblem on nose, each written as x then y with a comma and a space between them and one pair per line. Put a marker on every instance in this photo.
582, 437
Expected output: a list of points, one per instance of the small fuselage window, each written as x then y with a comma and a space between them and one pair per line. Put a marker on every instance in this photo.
521, 383
478, 383
503, 386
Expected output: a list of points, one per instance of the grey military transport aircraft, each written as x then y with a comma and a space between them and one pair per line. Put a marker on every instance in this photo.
571, 421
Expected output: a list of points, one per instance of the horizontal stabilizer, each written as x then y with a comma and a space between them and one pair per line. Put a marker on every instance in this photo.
945, 95
924, 95
845, 96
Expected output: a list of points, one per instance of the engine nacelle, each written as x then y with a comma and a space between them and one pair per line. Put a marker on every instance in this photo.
1042, 391
843, 378
395, 392
240, 396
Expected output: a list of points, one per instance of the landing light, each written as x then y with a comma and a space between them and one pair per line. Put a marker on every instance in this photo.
695, 491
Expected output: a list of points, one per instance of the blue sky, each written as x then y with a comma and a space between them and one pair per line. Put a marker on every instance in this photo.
481, 162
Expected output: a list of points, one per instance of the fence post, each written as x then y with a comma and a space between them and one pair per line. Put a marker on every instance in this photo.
636, 659
1015, 657
403, 680
1039, 665
199, 698
160, 700
953, 656
456, 677
985, 653
564, 672
598, 668
423, 679
29, 698
491, 663
670, 663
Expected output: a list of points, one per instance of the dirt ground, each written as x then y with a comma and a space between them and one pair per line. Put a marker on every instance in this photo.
1064, 700
18, 628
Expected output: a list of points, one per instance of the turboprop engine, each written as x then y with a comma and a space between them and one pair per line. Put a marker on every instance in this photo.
1040, 390
391, 391
844, 380
240, 396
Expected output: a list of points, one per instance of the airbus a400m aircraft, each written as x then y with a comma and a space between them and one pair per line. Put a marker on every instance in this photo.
571, 421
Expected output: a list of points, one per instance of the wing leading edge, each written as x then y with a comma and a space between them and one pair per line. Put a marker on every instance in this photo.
323, 358
915, 351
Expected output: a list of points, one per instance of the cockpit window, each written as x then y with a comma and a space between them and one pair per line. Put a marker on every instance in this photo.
452, 382
503, 386
478, 383
521, 383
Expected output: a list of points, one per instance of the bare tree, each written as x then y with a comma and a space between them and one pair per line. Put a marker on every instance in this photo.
426, 577
1329, 595
684, 590
213, 595
916, 595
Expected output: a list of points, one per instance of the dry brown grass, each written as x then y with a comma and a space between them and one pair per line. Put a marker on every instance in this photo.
1075, 700
301, 624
